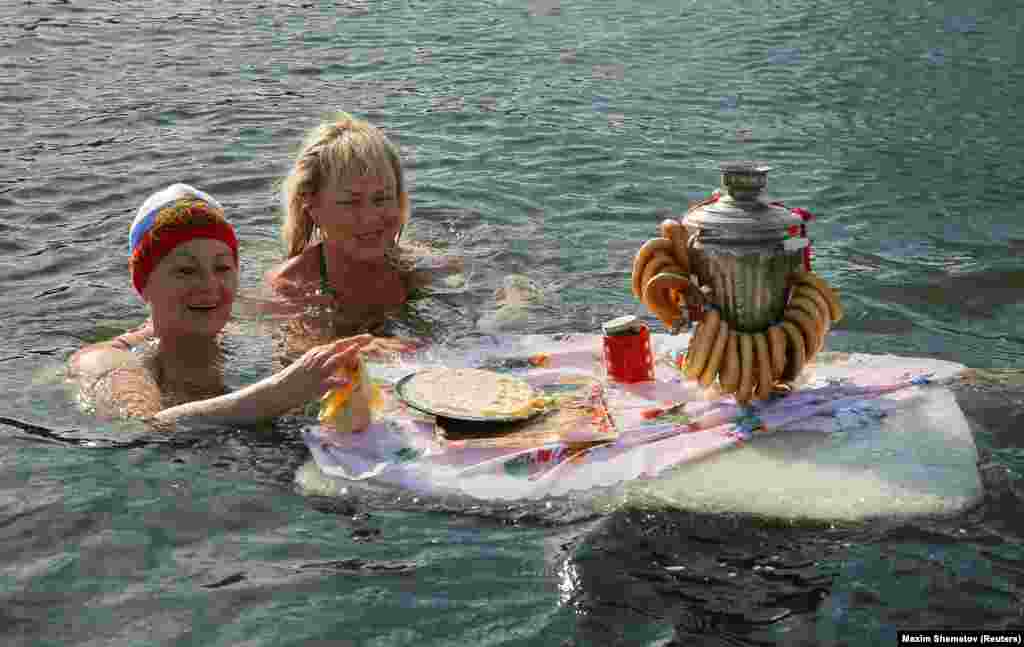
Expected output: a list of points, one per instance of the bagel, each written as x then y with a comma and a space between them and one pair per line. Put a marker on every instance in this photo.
835, 307
658, 295
659, 262
777, 348
697, 355
764, 367
796, 356
644, 254
729, 378
807, 328
746, 384
714, 363
809, 308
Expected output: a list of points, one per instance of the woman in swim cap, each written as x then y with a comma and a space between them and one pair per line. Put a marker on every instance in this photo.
184, 265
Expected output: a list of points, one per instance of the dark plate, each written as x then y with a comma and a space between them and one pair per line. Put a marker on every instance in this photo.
400, 392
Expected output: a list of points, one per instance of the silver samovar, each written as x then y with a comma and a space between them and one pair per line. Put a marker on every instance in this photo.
740, 246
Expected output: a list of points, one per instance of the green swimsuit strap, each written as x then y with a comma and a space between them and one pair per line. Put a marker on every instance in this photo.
325, 285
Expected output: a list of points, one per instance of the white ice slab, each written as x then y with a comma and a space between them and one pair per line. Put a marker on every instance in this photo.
918, 460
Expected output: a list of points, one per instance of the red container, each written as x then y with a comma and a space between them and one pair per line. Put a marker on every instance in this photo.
627, 355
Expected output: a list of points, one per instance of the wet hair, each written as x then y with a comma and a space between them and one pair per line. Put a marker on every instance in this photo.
339, 148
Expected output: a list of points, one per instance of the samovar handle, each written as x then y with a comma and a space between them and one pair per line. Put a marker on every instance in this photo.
703, 291
696, 294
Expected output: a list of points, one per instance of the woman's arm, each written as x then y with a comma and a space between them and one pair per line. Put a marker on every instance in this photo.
309, 377
112, 380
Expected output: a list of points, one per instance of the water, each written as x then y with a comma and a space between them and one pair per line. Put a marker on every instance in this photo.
540, 138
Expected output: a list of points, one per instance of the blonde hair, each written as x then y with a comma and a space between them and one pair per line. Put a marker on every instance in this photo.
342, 147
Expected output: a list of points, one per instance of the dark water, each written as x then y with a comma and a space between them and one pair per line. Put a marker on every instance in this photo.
540, 138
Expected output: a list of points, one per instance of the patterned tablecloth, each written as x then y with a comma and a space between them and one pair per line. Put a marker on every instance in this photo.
600, 433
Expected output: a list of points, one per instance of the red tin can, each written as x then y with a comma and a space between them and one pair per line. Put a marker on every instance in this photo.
627, 350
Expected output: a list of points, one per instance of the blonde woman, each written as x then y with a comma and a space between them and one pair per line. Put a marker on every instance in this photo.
184, 265
345, 206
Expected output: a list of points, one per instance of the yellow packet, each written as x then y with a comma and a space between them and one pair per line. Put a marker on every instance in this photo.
338, 409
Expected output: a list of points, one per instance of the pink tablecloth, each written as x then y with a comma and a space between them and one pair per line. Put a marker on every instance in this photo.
403, 447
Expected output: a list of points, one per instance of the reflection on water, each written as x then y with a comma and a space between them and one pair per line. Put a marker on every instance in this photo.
738, 580
562, 129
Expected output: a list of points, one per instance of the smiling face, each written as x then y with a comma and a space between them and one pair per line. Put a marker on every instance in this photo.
360, 217
191, 290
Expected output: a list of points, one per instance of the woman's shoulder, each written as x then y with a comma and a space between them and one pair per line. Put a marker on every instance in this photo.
115, 382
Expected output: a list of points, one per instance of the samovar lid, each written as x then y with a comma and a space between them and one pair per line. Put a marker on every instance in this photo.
743, 209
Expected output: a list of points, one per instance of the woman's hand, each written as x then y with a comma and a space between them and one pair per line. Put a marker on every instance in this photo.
135, 337
384, 347
285, 298
321, 369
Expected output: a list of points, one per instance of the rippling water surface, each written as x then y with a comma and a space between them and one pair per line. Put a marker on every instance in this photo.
540, 138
